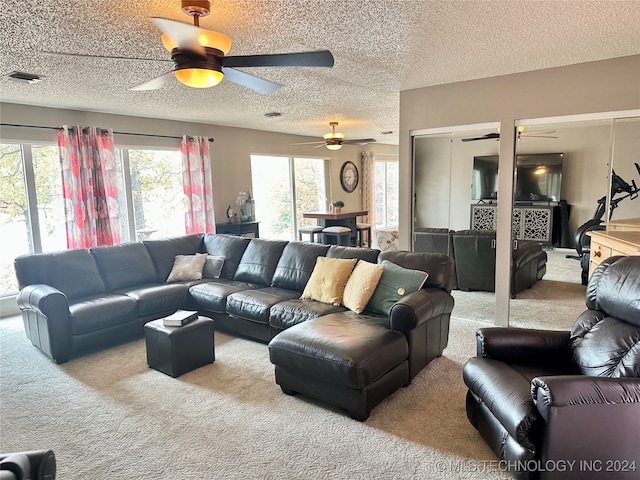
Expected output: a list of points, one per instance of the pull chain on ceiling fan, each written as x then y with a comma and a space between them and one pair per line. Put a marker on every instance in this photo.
334, 140
200, 60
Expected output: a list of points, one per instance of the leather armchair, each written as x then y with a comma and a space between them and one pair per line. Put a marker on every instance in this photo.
560, 404
33, 465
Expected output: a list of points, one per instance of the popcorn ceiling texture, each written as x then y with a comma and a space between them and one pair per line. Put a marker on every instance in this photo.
381, 47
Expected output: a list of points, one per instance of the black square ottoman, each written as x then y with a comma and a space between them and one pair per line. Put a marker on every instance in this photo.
178, 350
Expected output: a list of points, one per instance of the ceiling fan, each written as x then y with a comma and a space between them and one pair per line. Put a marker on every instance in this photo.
200, 60
335, 140
521, 133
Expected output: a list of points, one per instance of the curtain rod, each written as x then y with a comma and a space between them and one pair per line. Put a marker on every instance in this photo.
211, 139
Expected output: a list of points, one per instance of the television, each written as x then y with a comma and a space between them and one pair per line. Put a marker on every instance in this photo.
538, 177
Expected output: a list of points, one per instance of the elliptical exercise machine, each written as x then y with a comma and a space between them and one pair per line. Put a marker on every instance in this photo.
582, 241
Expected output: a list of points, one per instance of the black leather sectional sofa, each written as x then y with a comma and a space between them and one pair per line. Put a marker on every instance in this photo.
79, 299
474, 252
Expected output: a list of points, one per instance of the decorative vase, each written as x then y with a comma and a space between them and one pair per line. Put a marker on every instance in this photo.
337, 210
249, 209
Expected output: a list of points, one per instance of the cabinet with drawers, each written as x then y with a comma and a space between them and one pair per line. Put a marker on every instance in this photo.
605, 244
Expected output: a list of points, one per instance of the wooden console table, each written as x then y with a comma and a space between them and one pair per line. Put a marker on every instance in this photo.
240, 229
605, 244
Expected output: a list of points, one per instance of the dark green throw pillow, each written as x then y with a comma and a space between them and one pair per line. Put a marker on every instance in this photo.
395, 283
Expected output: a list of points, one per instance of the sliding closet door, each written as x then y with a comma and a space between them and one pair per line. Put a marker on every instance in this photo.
562, 191
455, 178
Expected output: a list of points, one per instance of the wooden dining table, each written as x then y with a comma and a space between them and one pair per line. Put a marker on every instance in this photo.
346, 218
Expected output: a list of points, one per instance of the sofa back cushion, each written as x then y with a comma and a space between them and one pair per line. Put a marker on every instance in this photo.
296, 264
259, 261
438, 265
434, 240
359, 253
163, 252
604, 339
125, 265
73, 272
228, 246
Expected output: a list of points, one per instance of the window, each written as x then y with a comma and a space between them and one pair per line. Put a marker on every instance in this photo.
14, 216
284, 188
386, 193
157, 193
32, 219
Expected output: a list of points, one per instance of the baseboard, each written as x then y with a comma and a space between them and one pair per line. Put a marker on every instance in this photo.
8, 306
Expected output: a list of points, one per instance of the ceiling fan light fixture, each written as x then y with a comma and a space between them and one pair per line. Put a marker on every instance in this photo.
334, 146
333, 136
206, 38
199, 77
540, 169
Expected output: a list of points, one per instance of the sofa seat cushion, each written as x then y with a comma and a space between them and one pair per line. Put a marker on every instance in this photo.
506, 392
287, 314
98, 312
155, 299
212, 295
340, 348
255, 305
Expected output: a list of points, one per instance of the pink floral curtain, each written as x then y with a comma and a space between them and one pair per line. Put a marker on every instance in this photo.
367, 191
197, 184
89, 186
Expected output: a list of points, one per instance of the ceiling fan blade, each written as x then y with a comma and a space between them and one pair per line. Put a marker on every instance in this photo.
540, 136
184, 34
359, 141
322, 58
488, 136
252, 82
309, 143
154, 83
109, 57
536, 134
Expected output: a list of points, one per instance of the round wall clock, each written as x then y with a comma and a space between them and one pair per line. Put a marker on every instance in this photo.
349, 177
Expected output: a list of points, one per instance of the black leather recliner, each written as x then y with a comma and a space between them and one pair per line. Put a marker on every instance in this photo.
33, 465
559, 404
475, 256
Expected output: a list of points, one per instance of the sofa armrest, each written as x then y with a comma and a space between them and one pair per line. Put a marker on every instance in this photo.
525, 346
47, 322
418, 307
569, 391
594, 419
44, 299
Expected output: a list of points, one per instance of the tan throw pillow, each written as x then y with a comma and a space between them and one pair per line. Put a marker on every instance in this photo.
187, 267
361, 285
328, 280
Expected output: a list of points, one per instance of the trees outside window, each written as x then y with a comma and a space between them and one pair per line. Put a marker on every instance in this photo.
386, 193
284, 188
32, 218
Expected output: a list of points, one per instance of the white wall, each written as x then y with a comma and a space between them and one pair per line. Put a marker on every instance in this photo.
230, 153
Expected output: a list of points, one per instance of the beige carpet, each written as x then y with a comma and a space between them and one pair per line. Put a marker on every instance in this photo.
108, 416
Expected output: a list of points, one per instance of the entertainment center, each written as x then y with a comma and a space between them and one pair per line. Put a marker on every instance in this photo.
539, 213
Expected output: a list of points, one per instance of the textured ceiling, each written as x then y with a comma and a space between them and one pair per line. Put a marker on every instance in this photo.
380, 48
